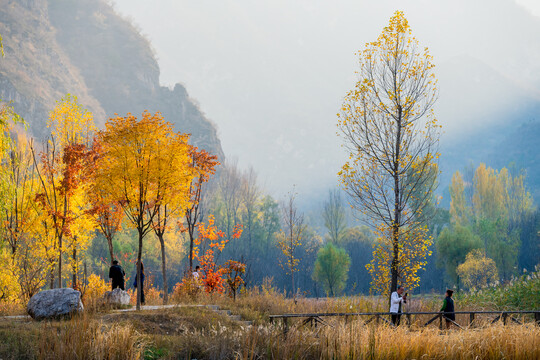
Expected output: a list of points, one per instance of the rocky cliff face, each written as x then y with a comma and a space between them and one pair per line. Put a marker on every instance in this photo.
82, 47
35, 71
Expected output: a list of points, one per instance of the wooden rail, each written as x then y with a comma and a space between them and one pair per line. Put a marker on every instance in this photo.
315, 319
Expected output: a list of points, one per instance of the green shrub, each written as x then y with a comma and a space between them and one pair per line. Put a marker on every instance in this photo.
522, 293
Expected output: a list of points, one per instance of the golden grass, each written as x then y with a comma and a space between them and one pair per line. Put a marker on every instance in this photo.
494, 342
12, 308
194, 332
256, 304
86, 338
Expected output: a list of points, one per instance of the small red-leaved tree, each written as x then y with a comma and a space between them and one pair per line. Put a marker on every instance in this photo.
212, 241
233, 271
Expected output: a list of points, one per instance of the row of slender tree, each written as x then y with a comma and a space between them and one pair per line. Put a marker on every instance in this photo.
135, 171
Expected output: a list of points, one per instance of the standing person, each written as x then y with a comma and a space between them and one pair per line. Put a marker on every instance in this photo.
448, 308
116, 273
196, 275
395, 304
142, 283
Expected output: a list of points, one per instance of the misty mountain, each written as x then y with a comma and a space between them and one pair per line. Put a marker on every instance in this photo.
83, 47
512, 144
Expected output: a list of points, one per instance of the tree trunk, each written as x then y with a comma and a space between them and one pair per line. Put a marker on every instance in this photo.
74, 270
139, 282
60, 262
292, 290
249, 233
397, 210
51, 284
164, 270
190, 231
111, 250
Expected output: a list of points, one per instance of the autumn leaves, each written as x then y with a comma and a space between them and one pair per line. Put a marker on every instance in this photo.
391, 134
138, 172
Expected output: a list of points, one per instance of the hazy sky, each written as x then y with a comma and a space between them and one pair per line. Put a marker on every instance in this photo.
271, 74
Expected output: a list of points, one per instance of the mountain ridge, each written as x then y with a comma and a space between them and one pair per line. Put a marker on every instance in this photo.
85, 48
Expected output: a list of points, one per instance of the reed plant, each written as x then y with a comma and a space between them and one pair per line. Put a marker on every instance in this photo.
357, 341
85, 338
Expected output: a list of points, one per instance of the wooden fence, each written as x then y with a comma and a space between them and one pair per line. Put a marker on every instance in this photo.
383, 317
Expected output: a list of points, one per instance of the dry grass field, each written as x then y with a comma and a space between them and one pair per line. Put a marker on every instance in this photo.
194, 332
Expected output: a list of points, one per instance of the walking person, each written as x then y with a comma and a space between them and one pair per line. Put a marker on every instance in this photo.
396, 300
116, 273
142, 283
448, 308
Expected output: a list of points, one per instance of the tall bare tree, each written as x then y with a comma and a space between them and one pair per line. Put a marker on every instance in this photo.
390, 131
250, 196
334, 216
230, 187
290, 237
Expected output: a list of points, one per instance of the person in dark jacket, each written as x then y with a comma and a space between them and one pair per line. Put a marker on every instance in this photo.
448, 308
116, 273
142, 283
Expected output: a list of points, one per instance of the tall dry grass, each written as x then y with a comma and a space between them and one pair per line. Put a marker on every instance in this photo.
85, 338
257, 303
12, 308
357, 341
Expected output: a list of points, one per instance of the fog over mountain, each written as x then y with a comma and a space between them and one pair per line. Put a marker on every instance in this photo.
272, 74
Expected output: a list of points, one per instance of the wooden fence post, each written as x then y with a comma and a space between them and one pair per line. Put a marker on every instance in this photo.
471, 319
440, 321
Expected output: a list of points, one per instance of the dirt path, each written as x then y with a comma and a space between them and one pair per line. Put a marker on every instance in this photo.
214, 308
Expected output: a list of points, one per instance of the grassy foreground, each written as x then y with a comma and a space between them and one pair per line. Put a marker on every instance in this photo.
189, 332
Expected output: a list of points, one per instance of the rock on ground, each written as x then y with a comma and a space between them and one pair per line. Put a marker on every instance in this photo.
117, 297
55, 303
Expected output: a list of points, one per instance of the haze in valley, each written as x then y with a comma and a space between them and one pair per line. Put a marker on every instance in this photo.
272, 74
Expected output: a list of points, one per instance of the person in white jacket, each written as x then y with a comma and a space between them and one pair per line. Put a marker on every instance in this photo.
395, 304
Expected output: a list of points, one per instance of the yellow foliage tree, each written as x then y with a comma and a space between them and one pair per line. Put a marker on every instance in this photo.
8, 118
497, 202
9, 286
391, 134
35, 260
478, 270
22, 219
174, 186
460, 211
71, 123
412, 250
95, 289
62, 172
143, 166
489, 194
20, 181
499, 195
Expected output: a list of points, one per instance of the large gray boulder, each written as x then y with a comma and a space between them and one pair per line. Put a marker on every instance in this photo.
117, 297
55, 303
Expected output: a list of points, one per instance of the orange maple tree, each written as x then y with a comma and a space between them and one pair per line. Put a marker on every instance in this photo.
233, 271
212, 241
204, 165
